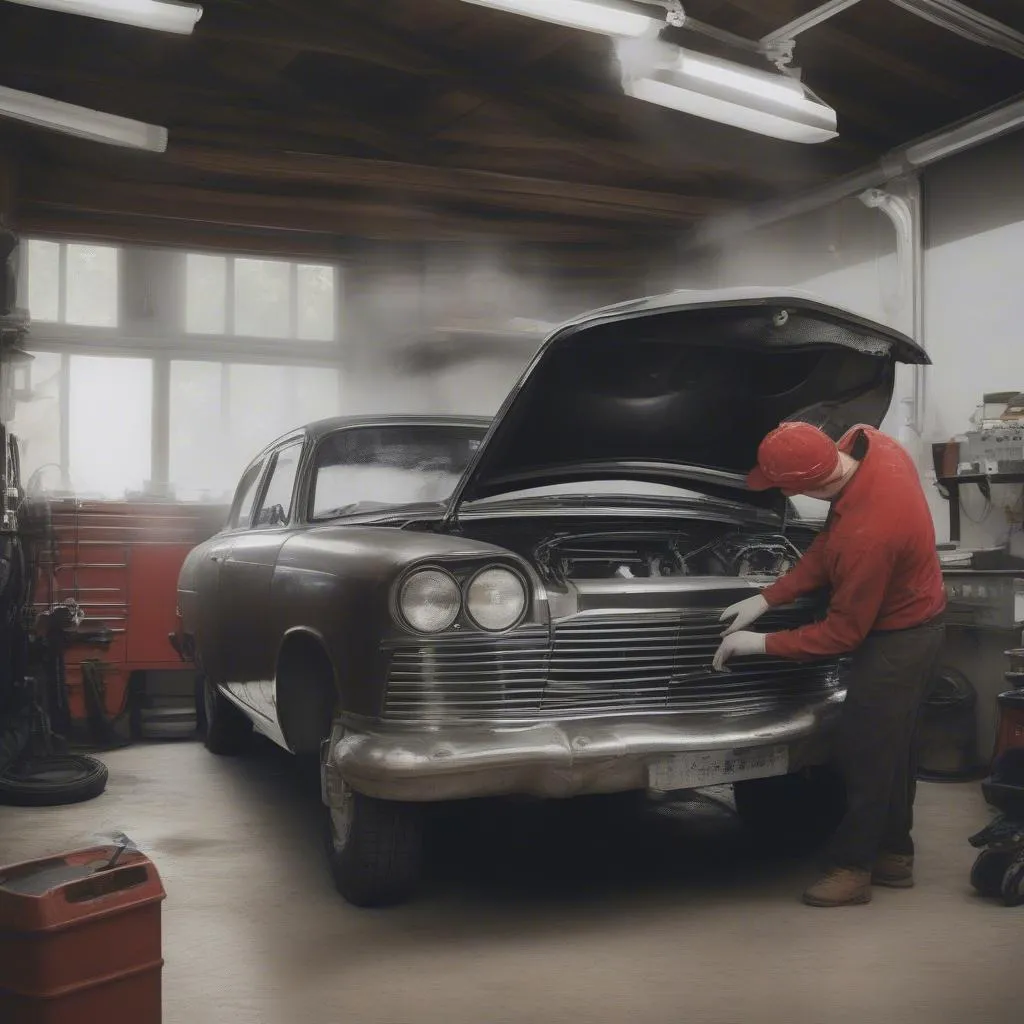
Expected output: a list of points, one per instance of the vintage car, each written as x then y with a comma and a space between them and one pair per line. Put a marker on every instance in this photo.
544, 623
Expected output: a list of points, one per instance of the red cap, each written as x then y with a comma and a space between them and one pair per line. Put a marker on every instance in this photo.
795, 457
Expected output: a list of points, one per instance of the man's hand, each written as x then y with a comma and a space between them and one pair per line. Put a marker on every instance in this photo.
738, 645
744, 613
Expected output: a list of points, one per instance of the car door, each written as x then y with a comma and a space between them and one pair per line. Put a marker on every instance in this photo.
250, 632
209, 618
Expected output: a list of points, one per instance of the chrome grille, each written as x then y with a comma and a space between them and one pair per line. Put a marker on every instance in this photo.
469, 677
594, 665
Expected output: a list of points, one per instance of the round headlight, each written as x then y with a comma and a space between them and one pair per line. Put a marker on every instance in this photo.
429, 601
496, 599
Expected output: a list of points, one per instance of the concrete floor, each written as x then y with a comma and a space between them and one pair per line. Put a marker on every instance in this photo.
532, 914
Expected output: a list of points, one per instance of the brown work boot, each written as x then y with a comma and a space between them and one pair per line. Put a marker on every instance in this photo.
841, 887
895, 870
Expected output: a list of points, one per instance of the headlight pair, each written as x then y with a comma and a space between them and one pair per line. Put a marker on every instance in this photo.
430, 599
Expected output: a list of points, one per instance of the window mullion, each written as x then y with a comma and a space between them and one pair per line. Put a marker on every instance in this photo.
229, 296
62, 283
293, 300
64, 400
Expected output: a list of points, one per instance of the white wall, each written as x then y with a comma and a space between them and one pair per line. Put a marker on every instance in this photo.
974, 301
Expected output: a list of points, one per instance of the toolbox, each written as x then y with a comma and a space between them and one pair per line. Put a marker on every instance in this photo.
80, 939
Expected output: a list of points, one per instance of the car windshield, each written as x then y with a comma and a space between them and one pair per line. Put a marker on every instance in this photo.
365, 468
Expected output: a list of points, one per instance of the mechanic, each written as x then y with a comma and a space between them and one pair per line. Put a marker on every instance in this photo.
878, 558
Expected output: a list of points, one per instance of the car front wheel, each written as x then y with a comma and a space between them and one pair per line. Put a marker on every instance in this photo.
374, 849
225, 729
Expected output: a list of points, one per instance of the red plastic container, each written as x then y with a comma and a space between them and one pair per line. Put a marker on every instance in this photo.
80, 939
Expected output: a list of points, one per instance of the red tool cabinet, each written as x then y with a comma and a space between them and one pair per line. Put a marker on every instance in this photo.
120, 562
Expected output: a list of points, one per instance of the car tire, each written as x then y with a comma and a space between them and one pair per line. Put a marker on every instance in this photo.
374, 849
53, 780
226, 729
792, 811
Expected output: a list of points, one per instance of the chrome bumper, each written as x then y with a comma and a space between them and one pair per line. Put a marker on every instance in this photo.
563, 759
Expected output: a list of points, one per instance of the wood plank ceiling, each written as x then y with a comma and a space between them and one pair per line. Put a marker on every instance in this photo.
300, 124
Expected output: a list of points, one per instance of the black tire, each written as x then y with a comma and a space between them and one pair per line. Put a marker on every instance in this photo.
378, 860
227, 731
792, 811
988, 871
1012, 887
53, 781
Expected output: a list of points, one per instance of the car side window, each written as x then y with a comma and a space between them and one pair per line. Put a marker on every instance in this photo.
245, 496
276, 506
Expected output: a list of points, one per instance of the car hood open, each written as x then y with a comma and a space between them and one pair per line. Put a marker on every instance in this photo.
681, 389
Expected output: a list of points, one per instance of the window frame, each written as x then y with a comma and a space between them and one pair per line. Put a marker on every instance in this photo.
62, 326
258, 469
161, 336
268, 476
230, 336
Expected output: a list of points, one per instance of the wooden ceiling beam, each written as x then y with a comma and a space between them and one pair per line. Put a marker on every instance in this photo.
357, 39
78, 193
455, 183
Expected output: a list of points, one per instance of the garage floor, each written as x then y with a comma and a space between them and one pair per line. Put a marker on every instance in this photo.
532, 918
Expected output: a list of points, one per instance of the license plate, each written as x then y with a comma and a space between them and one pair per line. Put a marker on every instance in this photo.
716, 767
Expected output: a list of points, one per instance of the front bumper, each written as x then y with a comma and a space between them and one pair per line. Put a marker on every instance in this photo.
555, 759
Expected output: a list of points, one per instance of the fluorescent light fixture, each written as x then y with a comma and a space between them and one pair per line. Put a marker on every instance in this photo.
161, 15
609, 17
756, 101
94, 125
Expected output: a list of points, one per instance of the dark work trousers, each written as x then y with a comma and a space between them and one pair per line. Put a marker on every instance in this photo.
877, 742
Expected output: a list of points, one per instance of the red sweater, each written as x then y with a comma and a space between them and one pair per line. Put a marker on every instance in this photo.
877, 554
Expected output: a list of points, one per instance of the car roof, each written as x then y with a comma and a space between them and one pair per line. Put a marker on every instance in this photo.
320, 428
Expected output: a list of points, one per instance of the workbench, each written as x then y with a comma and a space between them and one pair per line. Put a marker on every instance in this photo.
949, 488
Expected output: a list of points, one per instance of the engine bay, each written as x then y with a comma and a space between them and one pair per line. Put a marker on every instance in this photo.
655, 554
593, 551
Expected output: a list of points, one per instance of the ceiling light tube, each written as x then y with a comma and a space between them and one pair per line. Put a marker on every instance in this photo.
83, 122
161, 15
609, 17
756, 101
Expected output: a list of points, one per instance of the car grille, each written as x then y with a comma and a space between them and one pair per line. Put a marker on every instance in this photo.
595, 665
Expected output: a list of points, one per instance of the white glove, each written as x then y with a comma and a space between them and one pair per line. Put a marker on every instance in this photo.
744, 613
738, 645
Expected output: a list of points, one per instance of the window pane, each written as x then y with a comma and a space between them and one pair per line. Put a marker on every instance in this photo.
315, 303
206, 290
91, 285
261, 298
318, 393
111, 408
43, 280
260, 409
218, 424
277, 502
36, 422
200, 468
